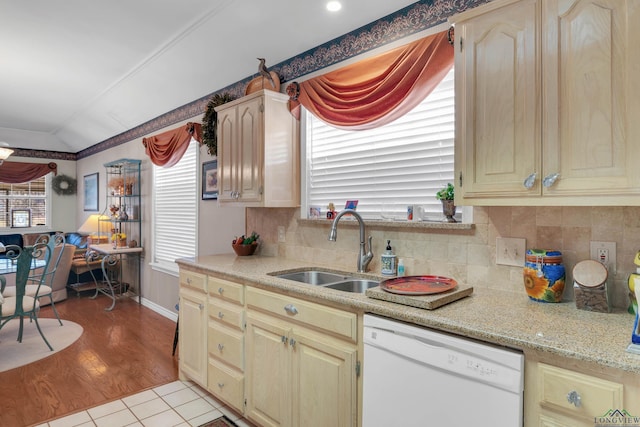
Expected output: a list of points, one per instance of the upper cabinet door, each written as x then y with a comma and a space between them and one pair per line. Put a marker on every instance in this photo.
590, 64
497, 100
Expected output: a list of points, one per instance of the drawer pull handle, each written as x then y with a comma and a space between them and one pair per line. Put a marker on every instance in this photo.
528, 183
220, 385
220, 290
291, 309
549, 180
574, 398
220, 314
220, 347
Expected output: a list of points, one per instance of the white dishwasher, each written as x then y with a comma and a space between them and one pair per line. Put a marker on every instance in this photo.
414, 376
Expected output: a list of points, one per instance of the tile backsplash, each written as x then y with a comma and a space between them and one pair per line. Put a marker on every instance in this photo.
466, 255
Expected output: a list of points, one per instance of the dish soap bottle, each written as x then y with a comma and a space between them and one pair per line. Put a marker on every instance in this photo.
388, 261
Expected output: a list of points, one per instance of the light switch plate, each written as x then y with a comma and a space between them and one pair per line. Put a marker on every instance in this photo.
510, 251
281, 234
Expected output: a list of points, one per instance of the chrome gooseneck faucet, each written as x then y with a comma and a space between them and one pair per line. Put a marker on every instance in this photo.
364, 256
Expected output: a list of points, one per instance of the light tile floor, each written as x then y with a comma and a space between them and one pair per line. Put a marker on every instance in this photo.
179, 404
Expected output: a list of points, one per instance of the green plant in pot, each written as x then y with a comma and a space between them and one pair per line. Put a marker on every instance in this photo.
446, 196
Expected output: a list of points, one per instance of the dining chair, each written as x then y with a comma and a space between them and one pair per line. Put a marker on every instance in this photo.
40, 281
21, 305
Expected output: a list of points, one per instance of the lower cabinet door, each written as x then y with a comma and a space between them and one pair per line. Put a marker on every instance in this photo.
267, 371
324, 381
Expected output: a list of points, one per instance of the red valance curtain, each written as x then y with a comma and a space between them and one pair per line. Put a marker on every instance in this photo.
18, 173
167, 148
378, 90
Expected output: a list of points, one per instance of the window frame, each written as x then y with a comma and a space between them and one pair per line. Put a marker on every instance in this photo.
163, 265
432, 216
48, 200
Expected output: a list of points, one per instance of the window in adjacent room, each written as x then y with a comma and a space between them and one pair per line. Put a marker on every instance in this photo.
25, 204
175, 207
386, 169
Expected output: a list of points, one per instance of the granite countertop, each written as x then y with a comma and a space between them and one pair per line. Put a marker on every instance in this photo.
503, 318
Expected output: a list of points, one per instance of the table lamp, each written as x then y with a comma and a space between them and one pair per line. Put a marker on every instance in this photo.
91, 226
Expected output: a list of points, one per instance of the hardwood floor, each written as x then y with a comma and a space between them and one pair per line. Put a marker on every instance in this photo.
121, 352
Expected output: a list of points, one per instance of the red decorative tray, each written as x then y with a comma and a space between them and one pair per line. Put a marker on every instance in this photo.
418, 285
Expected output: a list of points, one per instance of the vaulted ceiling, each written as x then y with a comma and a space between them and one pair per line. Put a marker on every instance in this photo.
74, 73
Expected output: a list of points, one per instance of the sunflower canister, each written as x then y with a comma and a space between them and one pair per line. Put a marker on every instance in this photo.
544, 275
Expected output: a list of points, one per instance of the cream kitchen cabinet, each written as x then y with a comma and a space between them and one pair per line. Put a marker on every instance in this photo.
258, 152
225, 341
193, 326
301, 362
562, 394
544, 90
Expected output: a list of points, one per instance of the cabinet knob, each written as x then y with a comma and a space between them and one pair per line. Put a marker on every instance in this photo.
220, 290
291, 309
220, 385
529, 181
200, 306
574, 398
292, 342
220, 314
220, 346
188, 280
549, 180
284, 339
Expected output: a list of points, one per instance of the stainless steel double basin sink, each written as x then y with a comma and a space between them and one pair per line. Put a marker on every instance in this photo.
331, 280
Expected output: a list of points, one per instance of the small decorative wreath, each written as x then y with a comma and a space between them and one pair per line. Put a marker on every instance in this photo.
64, 185
210, 122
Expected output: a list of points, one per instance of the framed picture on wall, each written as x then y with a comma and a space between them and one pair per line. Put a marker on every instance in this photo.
91, 192
20, 218
210, 180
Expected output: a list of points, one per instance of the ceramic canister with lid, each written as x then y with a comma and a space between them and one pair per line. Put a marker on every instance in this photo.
590, 286
544, 275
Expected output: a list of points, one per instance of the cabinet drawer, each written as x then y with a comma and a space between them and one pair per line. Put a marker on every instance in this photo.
226, 290
596, 396
193, 280
328, 319
226, 344
226, 313
226, 384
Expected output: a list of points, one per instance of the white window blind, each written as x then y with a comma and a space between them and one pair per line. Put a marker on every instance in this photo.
175, 210
386, 169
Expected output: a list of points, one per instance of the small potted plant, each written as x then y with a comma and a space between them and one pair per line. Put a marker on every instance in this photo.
446, 196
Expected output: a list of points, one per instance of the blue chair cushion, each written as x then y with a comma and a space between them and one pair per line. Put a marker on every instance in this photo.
77, 239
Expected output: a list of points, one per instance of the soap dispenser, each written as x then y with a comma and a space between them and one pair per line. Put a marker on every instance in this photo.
388, 261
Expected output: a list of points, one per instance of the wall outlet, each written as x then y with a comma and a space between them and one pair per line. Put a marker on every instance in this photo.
510, 251
281, 234
605, 253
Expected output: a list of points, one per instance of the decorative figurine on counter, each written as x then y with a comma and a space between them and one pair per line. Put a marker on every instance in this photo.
331, 211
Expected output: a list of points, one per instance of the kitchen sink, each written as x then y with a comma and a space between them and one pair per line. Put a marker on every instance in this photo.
353, 285
333, 280
314, 277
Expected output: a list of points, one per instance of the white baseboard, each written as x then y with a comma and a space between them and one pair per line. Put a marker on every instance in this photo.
158, 308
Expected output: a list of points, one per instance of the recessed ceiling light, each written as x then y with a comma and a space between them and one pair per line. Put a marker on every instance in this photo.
334, 6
